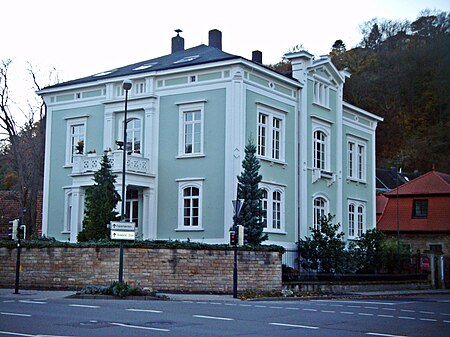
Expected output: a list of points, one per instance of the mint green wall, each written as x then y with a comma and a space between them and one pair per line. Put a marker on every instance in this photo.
211, 167
60, 175
275, 172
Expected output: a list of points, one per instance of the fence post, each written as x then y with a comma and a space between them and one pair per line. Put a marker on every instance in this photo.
432, 271
441, 272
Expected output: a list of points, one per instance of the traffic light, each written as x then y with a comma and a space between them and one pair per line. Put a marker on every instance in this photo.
13, 229
233, 237
22, 232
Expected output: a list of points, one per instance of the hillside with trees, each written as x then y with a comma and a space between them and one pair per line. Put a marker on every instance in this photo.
400, 71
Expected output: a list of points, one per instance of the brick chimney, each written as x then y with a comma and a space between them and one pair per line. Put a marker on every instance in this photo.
257, 56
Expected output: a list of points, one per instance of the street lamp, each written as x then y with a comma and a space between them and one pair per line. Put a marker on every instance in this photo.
126, 85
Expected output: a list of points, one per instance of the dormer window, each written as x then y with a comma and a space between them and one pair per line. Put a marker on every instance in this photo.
104, 73
321, 94
187, 59
145, 66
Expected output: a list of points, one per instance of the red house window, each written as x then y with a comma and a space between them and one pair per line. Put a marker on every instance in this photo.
420, 209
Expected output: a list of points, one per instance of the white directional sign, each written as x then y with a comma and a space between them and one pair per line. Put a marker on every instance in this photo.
123, 235
122, 226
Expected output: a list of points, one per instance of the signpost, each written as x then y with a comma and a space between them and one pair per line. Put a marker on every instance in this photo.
121, 230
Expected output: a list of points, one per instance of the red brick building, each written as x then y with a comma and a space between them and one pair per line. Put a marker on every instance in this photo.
11, 207
420, 210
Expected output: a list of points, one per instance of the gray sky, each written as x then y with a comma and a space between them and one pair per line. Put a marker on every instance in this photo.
84, 37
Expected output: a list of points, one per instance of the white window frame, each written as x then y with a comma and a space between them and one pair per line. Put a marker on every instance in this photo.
356, 218
182, 185
266, 149
321, 94
139, 87
131, 131
324, 210
184, 109
326, 130
68, 209
356, 159
69, 149
130, 117
269, 205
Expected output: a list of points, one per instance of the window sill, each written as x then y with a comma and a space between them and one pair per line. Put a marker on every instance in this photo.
275, 231
188, 229
188, 156
65, 232
272, 161
321, 106
356, 180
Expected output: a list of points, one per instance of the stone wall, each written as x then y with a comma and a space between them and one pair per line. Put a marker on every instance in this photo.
181, 270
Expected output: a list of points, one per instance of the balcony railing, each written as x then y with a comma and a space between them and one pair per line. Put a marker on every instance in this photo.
83, 164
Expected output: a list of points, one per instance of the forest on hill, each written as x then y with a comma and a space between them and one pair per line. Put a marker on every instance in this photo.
400, 71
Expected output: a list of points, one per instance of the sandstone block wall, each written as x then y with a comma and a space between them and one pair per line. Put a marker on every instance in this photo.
181, 270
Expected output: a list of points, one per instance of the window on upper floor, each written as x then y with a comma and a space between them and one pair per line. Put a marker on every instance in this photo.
356, 159
420, 209
321, 148
191, 130
139, 87
190, 205
75, 138
273, 208
356, 218
320, 210
134, 135
270, 134
321, 94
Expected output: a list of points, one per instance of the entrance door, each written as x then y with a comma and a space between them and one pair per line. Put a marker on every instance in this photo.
132, 207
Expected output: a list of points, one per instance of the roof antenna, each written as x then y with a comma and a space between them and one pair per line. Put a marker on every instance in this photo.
178, 31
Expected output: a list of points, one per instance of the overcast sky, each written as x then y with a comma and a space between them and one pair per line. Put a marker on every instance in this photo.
84, 37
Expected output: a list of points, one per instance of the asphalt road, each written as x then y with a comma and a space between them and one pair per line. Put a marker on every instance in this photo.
426, 315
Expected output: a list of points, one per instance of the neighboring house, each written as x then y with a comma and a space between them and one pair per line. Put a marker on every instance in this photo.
420, 211
11, 208
388, 179
191, 114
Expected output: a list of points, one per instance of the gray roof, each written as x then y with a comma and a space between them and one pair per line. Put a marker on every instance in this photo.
194, 56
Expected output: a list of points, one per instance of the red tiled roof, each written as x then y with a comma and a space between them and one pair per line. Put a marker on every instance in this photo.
432, 182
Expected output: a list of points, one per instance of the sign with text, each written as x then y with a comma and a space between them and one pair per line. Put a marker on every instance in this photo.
123, 235
122, 226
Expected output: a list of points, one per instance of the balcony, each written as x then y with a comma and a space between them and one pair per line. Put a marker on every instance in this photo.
85, 164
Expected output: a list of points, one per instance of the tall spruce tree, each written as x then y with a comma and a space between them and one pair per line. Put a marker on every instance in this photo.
251, 215
101, 200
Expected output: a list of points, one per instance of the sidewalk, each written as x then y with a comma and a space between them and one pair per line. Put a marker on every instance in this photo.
54, 294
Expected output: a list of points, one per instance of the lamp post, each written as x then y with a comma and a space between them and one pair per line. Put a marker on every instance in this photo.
126, 85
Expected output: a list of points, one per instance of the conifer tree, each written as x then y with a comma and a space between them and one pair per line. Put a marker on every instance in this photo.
251, 215
101, 200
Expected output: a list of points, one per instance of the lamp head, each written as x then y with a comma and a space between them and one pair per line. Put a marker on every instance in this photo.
126, 85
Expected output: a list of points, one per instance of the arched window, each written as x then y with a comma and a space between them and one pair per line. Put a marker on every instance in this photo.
191, 206
134, 135
356, 218
264, 201
320, 150
319, 210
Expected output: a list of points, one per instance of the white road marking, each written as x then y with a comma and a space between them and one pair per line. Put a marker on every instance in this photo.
215, 303
371, 308
382, 334
428, 319
245, 305
231, 304
15, 334
260, 306
336, 305
360, 302
32, 302
214, 317
427, 312
295, 325
388, 316
292, 308
347, 312
306, 309
328, 311
405, 317
446, 321
9, 301
276, 307
445, 314
14, 314
390, 309
84, 306
138, 327
145, 310
201, 302
365, 314
407, 310
354, 306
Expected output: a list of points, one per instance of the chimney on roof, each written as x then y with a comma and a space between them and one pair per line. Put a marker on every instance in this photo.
215, 39
177, 42
257, 56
